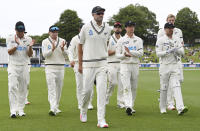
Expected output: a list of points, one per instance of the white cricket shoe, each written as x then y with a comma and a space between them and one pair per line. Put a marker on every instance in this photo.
182, 111
171, 107
13, 115
21, 113
83, 117
90, 107
102, 124
133, 111
163, 111
27, 103
58, 111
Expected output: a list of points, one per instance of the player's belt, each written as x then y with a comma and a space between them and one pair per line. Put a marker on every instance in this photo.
114, 62
56, 64
94, 60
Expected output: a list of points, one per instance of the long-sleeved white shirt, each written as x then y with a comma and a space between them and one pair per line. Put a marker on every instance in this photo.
164, 44
94, 39
73, 49
112, 46
56, 57
20, 56
135, 46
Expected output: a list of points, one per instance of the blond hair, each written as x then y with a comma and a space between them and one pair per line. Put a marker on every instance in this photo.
171, 16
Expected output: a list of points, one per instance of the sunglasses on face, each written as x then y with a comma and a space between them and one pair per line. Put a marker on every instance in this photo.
100, 13
20, 27
54, 29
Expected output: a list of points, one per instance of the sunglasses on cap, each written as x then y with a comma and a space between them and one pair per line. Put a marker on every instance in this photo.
54, 28
100, 13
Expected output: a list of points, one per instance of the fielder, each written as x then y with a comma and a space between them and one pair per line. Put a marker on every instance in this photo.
19, 49
54, 52
114, 77
129, 49
168, 47
73, 58
178, 33
93, 53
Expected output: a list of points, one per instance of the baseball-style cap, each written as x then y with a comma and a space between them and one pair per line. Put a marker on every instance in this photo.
130, 23
19, 26
169, 26
97, 9
117, 24
53, 28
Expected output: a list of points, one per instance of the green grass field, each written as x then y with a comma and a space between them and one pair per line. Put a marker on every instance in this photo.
147, 115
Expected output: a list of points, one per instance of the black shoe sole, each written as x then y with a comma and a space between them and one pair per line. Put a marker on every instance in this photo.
13, 116
51, 113
129, 111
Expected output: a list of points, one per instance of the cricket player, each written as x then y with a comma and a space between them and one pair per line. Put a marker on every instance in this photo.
92, 54
129, 49
55, 53
114, 67
168, 47
73, 58
178, 33
19, 49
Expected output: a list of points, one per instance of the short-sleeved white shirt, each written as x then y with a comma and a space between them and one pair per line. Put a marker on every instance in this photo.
95, 51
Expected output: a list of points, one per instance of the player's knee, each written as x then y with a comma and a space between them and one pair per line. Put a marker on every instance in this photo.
164, 87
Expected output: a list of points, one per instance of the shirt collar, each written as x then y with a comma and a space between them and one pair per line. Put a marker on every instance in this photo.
116, 37
129, 36
95, 24
52, 39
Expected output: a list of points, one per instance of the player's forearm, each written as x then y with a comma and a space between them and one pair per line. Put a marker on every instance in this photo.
161, 53
137, 53
181, 51
12, 50
30, 51
47, 53
80, 54
111, 52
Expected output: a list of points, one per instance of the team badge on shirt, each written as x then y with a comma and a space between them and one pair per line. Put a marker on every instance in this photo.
113, 43
49, 47
90, 32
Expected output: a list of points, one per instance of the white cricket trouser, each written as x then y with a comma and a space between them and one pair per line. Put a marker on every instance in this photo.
170, 73
89, 75
17, 85
79, 86
129, 78
170, 93
28, 81
54, 78
114, 78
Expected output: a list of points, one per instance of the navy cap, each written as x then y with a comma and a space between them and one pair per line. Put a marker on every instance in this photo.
169, 25
20, 26
130, 23
97, 9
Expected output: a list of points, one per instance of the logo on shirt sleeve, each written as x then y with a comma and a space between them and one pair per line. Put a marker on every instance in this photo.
90, 32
